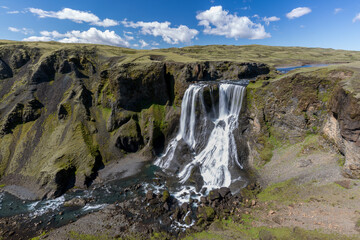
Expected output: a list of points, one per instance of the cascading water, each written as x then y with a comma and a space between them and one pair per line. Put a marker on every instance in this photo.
207, 132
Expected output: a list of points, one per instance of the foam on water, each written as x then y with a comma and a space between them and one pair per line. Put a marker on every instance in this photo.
1, 198
93, 207
41, 207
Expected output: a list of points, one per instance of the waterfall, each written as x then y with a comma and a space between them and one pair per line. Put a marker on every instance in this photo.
208, 134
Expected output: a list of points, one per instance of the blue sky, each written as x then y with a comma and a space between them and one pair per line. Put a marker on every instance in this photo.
145, 24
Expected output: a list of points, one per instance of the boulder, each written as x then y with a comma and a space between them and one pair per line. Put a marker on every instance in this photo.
224, 191
150, 195
214, 195
75, 202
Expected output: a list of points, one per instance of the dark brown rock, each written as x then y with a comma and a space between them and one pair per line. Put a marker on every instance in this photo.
75, 202
214, 195
150, 195
224, 191
5, 70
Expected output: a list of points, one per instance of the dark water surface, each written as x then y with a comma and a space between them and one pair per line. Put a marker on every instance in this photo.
53, 213
288, 69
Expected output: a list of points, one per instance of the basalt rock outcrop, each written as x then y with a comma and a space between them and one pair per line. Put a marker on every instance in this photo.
286, 109
67, 111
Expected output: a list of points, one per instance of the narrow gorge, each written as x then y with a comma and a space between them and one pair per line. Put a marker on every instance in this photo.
168, 141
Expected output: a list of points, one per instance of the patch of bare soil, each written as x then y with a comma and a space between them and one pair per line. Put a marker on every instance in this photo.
323, 198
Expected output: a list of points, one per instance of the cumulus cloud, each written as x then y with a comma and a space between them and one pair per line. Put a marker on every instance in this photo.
357, 18
75, 16
219, 22
298, 12
25, 31
337, 10
143, 43
92, 35
267, 20
170, 35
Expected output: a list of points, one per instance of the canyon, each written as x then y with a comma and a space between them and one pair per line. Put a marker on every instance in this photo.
77, 116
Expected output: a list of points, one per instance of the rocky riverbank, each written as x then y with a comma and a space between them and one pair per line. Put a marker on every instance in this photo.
143, 215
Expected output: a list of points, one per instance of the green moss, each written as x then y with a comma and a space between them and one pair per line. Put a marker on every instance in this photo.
39, 237
248, 194
160, 236
154, 117
2, 185
106, 112
311, 143
357, 224
88, 139
165, 196
256, 84
130, 129
204, 235
231, 229
249, 98
266, 152
285, 191
207, 213
79, 236
341, 160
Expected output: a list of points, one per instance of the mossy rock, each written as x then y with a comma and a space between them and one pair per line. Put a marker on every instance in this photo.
165, 196
206, 213
129, 137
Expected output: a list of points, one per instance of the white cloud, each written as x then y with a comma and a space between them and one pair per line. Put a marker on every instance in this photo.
92, 35
337, 10
13, 12
267, 20
13, 29
127, 37
135, 45
143, 43
170, 35
25, 31
155, 44
38, 39
76, 16
219, 22
298, 12
4, 7
357, 18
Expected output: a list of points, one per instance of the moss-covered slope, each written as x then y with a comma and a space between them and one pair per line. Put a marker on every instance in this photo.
66, 111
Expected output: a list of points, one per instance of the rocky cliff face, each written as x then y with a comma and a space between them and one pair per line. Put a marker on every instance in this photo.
287, 109
67, 112
343, 128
